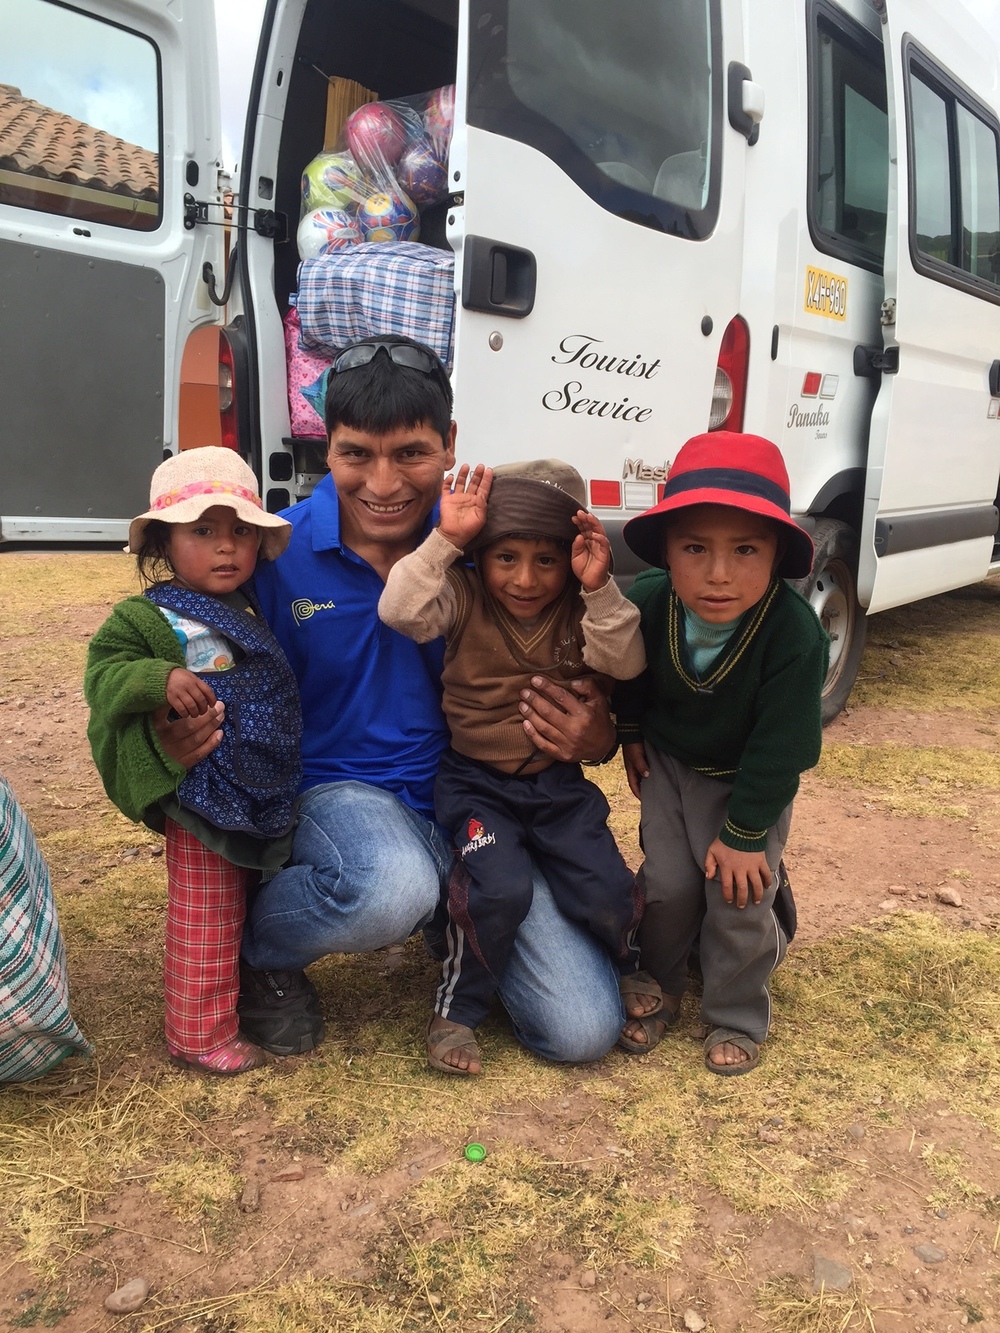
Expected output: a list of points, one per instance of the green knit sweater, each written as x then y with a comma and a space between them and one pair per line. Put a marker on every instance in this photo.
753, 719
128, 662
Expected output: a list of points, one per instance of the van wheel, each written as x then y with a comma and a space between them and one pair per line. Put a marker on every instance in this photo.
832, 592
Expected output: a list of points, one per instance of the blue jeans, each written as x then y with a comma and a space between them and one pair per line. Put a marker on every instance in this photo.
368, 871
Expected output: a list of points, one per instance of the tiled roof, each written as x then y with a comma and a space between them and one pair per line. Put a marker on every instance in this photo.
37, 141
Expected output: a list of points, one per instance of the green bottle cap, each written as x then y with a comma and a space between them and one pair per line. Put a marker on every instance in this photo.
474, 1152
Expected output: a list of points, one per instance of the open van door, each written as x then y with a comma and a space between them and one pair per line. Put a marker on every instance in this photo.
934, 454
597, 192
109, 119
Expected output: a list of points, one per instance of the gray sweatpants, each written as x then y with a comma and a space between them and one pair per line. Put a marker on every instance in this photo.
682, 815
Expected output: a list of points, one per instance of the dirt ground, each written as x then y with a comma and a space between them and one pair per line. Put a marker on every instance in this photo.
851, 860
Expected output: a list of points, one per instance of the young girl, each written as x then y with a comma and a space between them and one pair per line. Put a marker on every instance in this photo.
193, 640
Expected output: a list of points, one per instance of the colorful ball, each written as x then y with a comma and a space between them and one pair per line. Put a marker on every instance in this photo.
376, 136
439, 119
326, 229
332, 180
389, 217
422, 175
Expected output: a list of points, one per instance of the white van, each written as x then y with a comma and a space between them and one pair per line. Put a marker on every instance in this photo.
781, 216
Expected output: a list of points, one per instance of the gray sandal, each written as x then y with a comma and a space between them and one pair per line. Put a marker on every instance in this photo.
641, 983
665, 1018
719, 1035
454, 1037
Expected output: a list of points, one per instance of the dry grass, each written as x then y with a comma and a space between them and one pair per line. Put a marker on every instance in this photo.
41, 589
787, 1310
891, 1019
935, 655
918, 781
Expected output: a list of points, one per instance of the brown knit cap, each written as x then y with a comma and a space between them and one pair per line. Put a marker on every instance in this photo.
538, 497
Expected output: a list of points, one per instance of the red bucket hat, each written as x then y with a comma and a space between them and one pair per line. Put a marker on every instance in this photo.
725, 468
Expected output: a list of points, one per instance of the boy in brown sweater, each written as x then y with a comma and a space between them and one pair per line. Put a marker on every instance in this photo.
537, 599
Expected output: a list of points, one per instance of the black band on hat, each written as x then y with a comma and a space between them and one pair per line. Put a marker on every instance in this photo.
729, 479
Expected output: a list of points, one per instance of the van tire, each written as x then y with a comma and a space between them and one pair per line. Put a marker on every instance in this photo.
832, 591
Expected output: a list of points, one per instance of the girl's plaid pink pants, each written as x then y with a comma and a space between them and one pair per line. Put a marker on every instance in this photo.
206, 907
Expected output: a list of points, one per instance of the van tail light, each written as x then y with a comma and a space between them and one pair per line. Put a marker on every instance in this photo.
730, 392
228, 416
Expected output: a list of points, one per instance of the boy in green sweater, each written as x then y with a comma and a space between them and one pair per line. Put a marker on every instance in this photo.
716, 732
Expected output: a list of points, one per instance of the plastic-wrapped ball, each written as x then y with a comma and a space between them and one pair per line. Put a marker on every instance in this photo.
389, 217
326, 229
376, 137
422, 175
332, 180
439, 119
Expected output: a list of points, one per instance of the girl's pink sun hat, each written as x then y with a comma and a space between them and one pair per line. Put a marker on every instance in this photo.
725, 468
188, 483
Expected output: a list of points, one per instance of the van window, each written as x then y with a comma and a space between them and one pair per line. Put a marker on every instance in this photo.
931, 175
79, 116
980, 198
625, 98
849, 145
954, 185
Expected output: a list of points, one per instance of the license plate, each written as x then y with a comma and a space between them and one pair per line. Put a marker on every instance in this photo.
826, 294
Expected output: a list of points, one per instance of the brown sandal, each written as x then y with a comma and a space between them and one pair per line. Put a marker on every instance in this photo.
641, 983
750, 1048
655, 1025
451, 1038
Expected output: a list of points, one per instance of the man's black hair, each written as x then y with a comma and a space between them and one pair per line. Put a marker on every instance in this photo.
381, 397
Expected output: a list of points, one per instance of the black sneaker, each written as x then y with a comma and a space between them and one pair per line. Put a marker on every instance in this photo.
279, 1011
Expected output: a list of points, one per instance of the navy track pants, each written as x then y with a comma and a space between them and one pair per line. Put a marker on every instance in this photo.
506, 829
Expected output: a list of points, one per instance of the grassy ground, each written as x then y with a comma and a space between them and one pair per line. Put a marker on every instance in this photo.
622, 1170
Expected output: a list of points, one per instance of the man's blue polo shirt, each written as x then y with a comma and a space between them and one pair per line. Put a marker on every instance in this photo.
371, 698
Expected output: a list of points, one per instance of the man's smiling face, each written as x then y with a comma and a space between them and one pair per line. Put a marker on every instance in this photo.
387, 484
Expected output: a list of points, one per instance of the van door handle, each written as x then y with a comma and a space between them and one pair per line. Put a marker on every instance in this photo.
995, 380
498, 279
746, 102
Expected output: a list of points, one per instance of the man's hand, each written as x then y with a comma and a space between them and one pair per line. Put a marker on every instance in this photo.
636, 766
188, 694
742, 873
570, 722
188, 740
591, 554
463, 504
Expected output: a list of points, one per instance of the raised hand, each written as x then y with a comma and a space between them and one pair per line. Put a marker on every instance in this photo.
463, 504
591, 554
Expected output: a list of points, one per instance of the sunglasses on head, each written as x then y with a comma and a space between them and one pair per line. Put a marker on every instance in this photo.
402, 354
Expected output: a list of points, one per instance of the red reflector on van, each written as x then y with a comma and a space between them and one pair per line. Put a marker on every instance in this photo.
811, 383
606, 493
730, 391
228, 420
